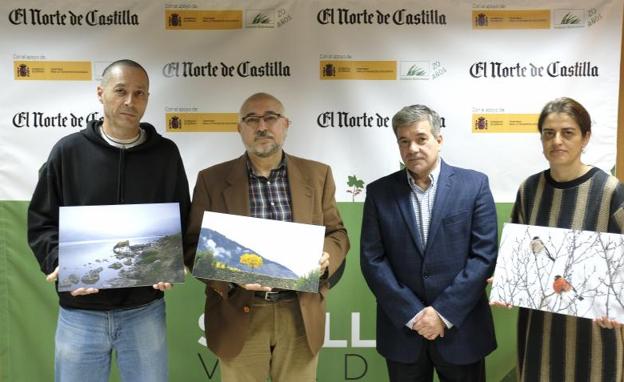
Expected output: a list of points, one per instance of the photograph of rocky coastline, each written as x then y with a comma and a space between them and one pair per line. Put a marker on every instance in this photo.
119, 246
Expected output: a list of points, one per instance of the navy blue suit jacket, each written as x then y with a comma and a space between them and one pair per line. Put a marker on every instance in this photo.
450, 275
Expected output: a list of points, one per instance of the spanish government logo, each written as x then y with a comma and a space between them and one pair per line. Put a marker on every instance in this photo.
481, 20
198, 122
481, 123
23, 70
200, 19
175, 20
511, 18
43, 70
329, 70
357, 70
501, 122
175, 122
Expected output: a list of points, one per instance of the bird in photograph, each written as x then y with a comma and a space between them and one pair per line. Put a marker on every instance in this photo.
537, 247
561, 285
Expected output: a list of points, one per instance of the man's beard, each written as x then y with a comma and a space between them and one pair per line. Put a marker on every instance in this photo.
264, 151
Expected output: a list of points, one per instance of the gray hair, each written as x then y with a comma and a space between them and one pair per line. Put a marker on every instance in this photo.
416, 113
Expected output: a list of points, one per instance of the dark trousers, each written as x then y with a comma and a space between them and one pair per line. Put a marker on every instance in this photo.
429, 359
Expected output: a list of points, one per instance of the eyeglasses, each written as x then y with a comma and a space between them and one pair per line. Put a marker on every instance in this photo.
254, 120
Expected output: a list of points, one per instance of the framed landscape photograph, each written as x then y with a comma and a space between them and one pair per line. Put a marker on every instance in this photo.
119, 246
247, 250
572, 272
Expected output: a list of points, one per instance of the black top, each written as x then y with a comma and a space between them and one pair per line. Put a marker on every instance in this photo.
83, 169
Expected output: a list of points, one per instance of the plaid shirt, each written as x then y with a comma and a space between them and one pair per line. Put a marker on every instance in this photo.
269, 198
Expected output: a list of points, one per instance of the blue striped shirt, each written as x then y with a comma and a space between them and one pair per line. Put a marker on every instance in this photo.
422, 202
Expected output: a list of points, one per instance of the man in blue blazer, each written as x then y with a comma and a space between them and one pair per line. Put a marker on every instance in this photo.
428, 244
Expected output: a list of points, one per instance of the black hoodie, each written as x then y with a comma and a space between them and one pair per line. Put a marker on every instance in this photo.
83, 169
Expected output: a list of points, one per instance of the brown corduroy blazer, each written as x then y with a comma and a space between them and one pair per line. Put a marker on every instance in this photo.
225, 188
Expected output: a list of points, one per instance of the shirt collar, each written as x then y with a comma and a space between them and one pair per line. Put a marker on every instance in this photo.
124, 144
433, 176
282, 165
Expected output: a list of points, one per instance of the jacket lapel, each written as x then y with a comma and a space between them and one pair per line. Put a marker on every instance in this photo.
445, 182
301, 192
236, 193
402, 198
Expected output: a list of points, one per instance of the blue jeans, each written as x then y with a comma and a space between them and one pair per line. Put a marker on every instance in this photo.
85, 340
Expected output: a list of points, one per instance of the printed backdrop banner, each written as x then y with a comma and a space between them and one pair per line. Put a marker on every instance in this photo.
342, 69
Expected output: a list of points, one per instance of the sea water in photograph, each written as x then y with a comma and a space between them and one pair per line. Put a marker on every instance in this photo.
119, 246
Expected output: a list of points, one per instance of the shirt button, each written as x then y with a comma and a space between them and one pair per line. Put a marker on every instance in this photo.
269, 182
272, 203
246, 309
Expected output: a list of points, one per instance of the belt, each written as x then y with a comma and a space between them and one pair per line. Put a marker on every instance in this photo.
276, 296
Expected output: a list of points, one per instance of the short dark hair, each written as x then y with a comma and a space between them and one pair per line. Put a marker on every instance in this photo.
570, 107
416, 113
123, 62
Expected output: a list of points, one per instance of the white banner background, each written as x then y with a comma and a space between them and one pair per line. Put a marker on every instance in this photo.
300, 43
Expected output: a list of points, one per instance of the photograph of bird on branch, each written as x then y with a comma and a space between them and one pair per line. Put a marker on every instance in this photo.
572, 272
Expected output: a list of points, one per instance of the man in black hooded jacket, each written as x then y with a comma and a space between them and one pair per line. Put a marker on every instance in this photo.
117, 160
